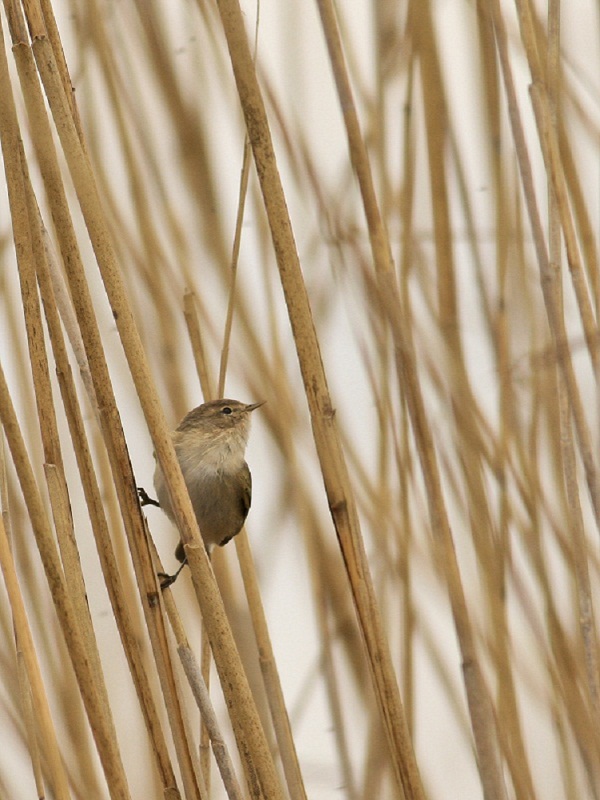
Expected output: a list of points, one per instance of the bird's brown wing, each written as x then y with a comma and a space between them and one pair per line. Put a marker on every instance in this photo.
245, 499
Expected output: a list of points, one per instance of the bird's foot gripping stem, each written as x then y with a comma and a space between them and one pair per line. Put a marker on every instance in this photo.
145, 499
169, 580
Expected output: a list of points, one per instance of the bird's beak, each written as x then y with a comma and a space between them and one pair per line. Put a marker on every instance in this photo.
253, 406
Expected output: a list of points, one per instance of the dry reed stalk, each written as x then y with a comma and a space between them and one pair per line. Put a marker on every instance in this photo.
279, 715
25, 690
43, 725
558, 212
55, 478
196, 341
479, 701
40, 728
327, 442
98, 519
79, 638
547, 124
270, 675
497, 534
319, 575
62, 217
582, 217
254, 751
508, 709
245, 174
200, 692
100, 720
556, 320
269, 672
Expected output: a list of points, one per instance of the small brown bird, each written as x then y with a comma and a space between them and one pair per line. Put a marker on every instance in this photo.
210, 443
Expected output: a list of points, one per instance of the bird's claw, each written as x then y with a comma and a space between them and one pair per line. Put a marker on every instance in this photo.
145, 499
169, 580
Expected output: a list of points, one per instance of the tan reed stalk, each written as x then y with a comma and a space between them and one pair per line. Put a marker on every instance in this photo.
197, 342
205, 668
201, 696
328, 446
52, 173
557, 322
251, 740
582, 217
245, 173
113, 582
554, 317
194, 676
279, 715
550, 150
55, 478
508, 711
404, 460
100, 528
99, 717
44, 727
268, 666
199, 174
41, 733
559, 215
487, 542
507, 708
105, 550
281, 418
319, 576
548, 136
27, 244
29, 721
243, 715
560, 664
479, 701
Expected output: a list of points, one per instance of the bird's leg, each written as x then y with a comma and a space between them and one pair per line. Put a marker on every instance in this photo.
145, 499
169, 580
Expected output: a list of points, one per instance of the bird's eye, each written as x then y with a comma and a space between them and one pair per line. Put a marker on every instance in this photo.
226, 410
